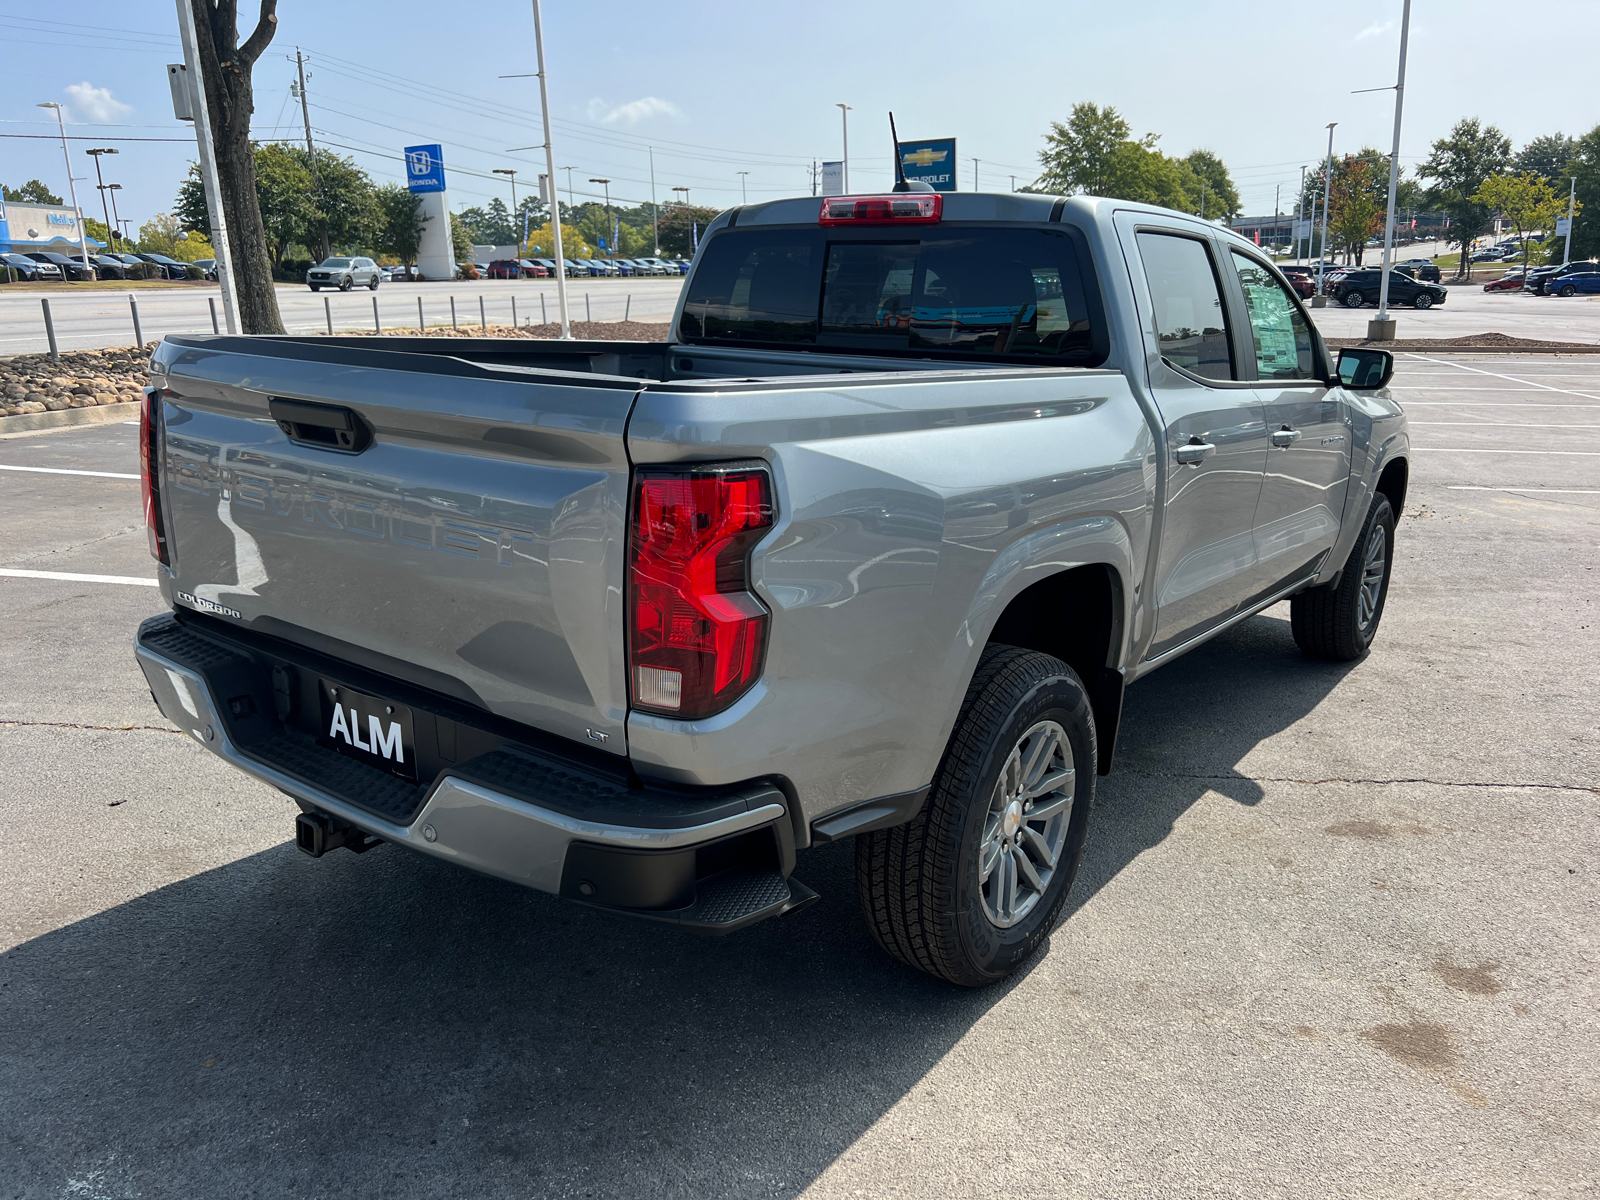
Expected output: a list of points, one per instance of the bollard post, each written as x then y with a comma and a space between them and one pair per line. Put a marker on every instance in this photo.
588, 309
377, 326
215, 327
421, 328
483, 315
544, 317
627, 308
513, 312
453, 324
138, 331
50, 332
327, 309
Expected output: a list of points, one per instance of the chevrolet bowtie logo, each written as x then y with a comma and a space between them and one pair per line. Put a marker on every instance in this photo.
924, 158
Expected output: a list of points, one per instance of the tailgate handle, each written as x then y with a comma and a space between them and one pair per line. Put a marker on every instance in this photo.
325, 426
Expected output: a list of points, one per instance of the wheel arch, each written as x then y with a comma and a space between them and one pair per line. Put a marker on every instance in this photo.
1392, 483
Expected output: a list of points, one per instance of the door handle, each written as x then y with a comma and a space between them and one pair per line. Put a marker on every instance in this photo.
1285, 437
1194, 452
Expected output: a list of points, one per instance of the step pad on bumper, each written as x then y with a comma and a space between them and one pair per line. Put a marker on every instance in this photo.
731, 901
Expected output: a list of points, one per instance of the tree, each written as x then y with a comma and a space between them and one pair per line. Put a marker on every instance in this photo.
32, 192
1525, 200
1547, 157
347, 211
402, 222
460, 240
97, 230
1458, 164
491, 226
285, 198
164, 234
542, 241
1355, 213
1221, 198
1585, 167
1077, 154
678, 228
230, 99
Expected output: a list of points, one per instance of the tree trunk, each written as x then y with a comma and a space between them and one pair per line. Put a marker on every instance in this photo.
230, 97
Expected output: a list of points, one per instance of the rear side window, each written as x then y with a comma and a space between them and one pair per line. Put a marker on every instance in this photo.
1191, 323
1279, 332
968, 292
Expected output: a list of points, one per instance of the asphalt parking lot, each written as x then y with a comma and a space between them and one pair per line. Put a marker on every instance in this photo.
1335, 934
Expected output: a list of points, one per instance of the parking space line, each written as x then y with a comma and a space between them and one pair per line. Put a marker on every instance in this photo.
1485, 404
1511, 378
64, 471
1469, 487
1492, 450
1504, 424
76, 577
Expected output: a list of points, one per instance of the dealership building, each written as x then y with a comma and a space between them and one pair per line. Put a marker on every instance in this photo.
25, 227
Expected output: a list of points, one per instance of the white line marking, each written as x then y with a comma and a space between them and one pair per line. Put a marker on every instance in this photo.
1466, 487
1433, 387
74, 577
1486, 404
1503, 425
64, 471
1511, 378
1490, 450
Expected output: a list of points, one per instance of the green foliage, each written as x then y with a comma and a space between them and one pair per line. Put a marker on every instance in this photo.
97, 230
32, 192
1093, 153
1458, 165
1077, 154
1357, 202
1585, 167
401, 231
460, 240
1547, 157
677, 228
164, 234
1222, 198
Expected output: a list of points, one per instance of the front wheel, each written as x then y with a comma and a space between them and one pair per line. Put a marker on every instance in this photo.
1423, 300
970, 889
1354, 299
1339, 623
346, 283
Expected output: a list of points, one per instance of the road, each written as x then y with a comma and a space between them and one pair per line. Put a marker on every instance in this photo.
89, 320
1334, 934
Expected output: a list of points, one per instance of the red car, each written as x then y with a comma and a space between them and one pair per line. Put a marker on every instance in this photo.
505, 268
1511, 281
1301, 283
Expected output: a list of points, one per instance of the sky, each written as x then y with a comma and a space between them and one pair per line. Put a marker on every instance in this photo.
720, 88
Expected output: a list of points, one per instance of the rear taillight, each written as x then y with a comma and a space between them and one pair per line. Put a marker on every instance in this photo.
900, 208
696, 631
149, 465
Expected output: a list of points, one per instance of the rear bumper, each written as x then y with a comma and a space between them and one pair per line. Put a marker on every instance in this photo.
714, 859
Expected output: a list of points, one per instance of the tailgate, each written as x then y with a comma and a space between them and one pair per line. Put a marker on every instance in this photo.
471, 540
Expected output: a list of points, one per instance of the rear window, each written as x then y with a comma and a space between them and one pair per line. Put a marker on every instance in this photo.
973, 292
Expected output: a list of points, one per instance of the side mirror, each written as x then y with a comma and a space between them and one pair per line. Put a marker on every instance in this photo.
1365, 370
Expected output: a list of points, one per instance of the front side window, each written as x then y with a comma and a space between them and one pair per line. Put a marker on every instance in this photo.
1280, 333
1191, 323
967, 292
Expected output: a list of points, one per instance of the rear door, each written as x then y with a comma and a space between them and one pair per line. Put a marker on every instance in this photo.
469, 538
1308, 465
1216, 439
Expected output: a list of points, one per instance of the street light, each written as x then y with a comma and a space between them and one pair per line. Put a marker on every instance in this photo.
102, 186
685, 192
512, 171
72, 186
1383, 329
844, 115
609, 231
113, 189
1320, 300
744, 196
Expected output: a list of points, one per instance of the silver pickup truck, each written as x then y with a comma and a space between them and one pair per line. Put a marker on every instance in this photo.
869, 548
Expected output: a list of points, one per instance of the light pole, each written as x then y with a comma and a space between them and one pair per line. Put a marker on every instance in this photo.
1381, 328
72, 187
101, 185
607, 185
512, 171
1572, 196
116, 220
744, 195
655, 228
974, 174
1013, 183
1320, 300
571, 202
550, 166
844, 115
1300, 211
685, 192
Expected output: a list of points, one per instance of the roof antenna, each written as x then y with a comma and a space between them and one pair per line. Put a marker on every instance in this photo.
901, 183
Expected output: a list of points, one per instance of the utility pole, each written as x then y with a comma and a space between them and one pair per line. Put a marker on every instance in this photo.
100, 183
1320, 300
974, 174
655, 230
1572, 196
1381, 328
72, 187
1300, 211
571, 203
744, 195
200, 108
813, 172
1013, 183
311, 150
550, 166
844, 114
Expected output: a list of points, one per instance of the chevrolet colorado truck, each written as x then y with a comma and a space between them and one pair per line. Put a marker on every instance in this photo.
869, 549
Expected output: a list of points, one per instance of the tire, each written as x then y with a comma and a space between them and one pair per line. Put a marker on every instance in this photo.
315, 287
372, 284
1569, 290
346, 284
921, 884
1353, 298
1339, 623
1423, 300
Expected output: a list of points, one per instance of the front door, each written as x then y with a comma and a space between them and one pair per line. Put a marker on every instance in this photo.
1308, 467
1216, 443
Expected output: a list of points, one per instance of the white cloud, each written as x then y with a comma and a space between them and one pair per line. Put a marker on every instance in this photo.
90, 103
634, 111
1376, 29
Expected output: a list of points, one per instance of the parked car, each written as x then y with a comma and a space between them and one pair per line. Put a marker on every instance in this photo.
1543, 281
208, 267
72, 269
1420, 268
31, 270
504, 268
1360, 286
171, 268
1511, 281
576, 267
648, 662
1303, 285
1578, 281
106, 267
344, 273
534, 269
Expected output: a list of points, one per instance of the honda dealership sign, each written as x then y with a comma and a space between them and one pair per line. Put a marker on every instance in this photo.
425, 168
425, 176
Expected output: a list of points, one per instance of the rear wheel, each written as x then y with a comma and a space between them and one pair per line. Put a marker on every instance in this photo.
1353, 298
1339, 623
1423, 300
1568, 290
970, 889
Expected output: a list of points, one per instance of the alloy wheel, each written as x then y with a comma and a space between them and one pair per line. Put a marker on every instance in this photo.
1025, 828
1373, 570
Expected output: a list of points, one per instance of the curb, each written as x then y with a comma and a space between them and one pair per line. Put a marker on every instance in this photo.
98, 415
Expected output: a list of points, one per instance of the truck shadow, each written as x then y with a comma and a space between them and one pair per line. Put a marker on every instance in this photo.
388, 1025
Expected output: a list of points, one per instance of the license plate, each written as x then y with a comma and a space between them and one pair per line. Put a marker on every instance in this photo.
376, 732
